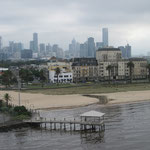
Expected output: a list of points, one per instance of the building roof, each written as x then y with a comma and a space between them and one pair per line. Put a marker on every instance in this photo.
137, 59
92, 114
3, 69
108, 49
84, 62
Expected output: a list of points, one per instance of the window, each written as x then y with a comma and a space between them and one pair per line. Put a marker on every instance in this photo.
65, 76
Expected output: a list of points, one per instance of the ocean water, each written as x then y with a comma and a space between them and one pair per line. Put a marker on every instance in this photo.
127, 128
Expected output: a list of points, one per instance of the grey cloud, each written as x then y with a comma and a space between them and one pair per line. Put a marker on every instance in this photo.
73, 17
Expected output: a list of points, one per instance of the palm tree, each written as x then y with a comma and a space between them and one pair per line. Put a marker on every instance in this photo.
109, 68
57, 72
130, 65
148, 68
42, 77
7, 98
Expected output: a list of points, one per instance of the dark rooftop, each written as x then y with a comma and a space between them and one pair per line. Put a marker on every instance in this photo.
137, 59
108, 49
84, 62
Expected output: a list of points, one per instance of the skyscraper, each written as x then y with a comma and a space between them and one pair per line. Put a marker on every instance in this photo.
35, 42
105, 36
42, 48
31, 45
128, 49
91, 47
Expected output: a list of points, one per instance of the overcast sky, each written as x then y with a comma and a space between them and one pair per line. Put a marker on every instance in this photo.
58, 21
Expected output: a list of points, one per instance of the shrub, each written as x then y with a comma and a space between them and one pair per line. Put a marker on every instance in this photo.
21, 110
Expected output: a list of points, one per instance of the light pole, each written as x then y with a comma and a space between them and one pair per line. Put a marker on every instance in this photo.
19, 88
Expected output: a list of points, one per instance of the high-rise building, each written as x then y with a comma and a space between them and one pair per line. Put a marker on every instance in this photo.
99, 45
11, 46
105, 37
31, 45
123, 51
35, 42
0, 43
48, 48
91, 47
83, 50
72, 48
128, 49
26, 54
42, 48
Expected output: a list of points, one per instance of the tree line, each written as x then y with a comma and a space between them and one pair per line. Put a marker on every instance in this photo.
26, 76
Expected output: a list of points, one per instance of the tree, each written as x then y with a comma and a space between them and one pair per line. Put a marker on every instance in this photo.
130, 65
148, 68
109, 68
57, 72
7, 78
26, 75
7, 98
42, 77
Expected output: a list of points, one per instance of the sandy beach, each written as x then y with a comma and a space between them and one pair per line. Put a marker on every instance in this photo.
127, 97
41, 101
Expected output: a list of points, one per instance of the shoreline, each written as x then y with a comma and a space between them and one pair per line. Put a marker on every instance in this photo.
126, 97
53, 102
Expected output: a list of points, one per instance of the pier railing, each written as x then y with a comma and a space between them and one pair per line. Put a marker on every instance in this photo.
76, 124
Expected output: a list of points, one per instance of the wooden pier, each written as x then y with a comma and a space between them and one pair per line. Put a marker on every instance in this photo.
72, 125
88, 121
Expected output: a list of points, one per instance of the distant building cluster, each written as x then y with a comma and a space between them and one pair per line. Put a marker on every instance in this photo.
37, 50
96, 69
107, 65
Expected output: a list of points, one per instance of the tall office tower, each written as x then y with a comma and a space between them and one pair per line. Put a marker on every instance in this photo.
31, 45
123, 51
105, 36
55, 48
128, 50
83, 50
0, 43
11, 46
48, 48
35, 42
91, 47
72, 48
99, 45
42, 48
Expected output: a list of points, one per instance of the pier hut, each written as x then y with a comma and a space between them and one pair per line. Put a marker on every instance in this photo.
95, 118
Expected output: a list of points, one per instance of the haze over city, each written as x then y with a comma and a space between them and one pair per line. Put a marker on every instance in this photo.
74, 75
58, 22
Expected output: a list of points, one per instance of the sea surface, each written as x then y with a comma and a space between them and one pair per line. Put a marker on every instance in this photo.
127, 128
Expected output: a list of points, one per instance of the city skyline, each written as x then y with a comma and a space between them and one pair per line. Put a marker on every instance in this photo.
58, 22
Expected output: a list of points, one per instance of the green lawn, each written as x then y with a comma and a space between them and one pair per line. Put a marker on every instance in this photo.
93, 89
39, 86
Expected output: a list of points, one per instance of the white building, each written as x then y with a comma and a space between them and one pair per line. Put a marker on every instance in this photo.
64, 77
